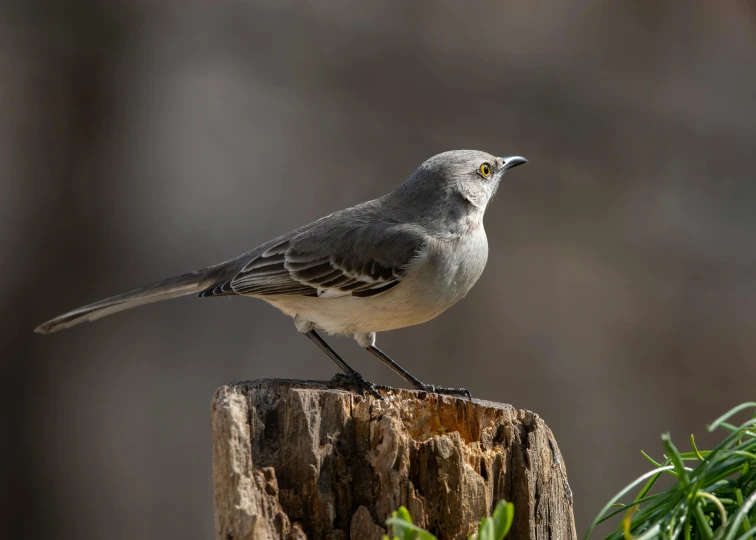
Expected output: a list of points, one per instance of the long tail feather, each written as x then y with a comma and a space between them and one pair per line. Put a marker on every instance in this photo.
166, 289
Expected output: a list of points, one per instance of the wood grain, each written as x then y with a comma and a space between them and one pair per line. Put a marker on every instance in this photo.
305, 459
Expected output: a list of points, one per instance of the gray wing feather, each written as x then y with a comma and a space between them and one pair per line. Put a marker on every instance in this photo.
336, 256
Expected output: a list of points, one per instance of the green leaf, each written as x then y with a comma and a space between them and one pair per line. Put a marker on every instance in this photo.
621, 494
404, 514
674, 457
486, 530
716, 423
497, 526
695, 448
741, 514
404, 529
715, 499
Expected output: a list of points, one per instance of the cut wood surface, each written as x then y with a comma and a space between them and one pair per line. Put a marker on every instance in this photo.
305, 459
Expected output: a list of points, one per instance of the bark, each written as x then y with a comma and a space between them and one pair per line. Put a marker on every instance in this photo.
303, 459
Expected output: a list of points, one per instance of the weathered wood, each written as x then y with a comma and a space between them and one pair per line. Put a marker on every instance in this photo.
294, 459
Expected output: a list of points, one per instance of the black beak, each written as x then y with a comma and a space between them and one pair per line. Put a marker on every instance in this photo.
513, 161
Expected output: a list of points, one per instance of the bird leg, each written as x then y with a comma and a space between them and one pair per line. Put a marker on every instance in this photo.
350, 376
407, 376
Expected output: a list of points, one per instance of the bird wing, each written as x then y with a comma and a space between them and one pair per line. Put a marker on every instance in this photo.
334, 257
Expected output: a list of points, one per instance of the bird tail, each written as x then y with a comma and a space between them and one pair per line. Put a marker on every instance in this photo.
165, 289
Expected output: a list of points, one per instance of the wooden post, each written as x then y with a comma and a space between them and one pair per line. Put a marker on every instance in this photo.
303, 459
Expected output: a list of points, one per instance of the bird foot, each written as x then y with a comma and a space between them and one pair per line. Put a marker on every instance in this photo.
463, 392
357, 382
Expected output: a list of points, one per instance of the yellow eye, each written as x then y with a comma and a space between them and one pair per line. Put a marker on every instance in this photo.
485, 170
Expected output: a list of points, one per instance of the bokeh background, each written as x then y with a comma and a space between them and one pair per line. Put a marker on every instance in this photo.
143, 139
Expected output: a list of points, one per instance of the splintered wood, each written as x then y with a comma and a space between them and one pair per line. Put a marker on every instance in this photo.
295, 460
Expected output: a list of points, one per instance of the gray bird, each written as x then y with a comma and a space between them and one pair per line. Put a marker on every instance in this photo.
395, 261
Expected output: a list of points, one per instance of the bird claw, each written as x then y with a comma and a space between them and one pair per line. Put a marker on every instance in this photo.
359, 383
463, 392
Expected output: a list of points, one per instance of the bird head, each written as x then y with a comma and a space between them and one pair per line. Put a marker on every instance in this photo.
468, 177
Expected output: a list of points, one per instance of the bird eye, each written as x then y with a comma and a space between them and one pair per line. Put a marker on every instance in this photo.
485, 170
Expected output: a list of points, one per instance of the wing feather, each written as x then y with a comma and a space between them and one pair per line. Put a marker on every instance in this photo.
335, 256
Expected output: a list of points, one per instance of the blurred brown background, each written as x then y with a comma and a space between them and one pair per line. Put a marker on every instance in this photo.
142, 139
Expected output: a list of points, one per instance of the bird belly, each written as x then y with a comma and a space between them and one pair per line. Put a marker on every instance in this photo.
431, 287
351, 315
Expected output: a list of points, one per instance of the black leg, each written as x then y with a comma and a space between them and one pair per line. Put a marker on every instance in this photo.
350, 375
407, 376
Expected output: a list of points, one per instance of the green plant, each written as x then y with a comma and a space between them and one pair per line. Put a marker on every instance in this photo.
495, 527
715, 500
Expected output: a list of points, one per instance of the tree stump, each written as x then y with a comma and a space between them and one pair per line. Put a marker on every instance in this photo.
303, 459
